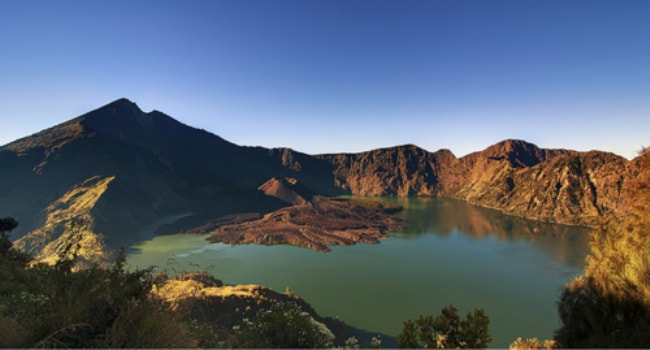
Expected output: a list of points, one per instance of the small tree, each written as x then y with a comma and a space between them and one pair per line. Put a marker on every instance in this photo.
6, 224
6, 247
447, 331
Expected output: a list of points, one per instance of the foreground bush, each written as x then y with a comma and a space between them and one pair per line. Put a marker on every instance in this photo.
97, 307
283, 325
88, 308
55, 306
447, 331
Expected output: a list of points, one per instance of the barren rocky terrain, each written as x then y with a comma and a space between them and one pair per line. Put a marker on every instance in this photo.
317, 225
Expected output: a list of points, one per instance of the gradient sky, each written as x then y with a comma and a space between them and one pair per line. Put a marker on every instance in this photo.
339, 76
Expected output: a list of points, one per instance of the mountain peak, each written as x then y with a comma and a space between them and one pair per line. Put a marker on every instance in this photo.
513, 145
122, 100
518, 152
120, 106
286, 189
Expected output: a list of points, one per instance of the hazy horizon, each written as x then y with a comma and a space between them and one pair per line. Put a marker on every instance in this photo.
340, 76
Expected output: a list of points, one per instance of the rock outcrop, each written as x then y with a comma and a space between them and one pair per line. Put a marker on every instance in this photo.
206, 299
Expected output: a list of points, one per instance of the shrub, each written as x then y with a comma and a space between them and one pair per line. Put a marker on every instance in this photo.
593, 318
284, 325
447, 331
54, 306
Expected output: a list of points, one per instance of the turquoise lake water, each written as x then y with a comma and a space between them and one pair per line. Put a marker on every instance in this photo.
449, 252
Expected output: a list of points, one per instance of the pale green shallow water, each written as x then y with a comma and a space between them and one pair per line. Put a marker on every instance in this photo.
449, 253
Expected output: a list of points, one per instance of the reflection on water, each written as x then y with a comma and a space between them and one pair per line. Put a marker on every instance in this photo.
448, 253
567, 244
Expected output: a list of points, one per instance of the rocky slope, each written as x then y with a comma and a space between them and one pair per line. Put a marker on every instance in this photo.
513, 176
206, 299
287, 190
609, 305
166, 177
203, 297
68, 228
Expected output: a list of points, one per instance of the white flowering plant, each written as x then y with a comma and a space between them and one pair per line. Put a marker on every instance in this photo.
283, 325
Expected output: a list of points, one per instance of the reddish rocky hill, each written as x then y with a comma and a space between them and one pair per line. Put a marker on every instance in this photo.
286, 189
513, 176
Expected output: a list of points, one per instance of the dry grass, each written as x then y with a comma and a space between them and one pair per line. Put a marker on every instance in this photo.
174, 291
532, 343
77, 201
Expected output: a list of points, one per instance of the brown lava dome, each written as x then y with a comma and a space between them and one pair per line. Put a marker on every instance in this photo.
314, 222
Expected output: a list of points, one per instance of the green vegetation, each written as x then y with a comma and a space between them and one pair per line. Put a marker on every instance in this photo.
447, 331
284, 325
55, 306
6, 225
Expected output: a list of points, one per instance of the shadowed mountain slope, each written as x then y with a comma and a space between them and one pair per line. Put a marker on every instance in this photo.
165, 176
130, 174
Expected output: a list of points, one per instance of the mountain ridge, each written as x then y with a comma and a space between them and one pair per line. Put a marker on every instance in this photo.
168, 176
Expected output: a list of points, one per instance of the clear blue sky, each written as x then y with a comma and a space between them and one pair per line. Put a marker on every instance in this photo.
335, 76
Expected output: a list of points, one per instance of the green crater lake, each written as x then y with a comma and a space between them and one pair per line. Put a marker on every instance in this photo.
448, 253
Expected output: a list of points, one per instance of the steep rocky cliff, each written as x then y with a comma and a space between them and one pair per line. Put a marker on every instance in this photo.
572, 188
402, 171
514, 176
